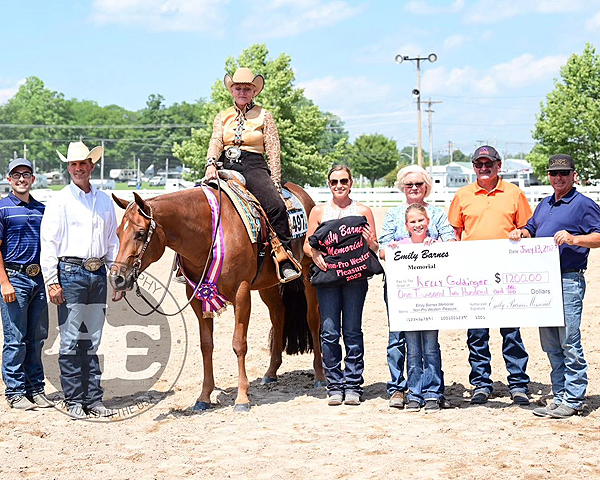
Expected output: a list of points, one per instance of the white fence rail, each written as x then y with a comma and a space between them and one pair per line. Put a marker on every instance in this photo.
372, 197
389, 197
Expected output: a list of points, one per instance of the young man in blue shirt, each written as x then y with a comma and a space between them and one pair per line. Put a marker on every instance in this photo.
574, 221
23, 301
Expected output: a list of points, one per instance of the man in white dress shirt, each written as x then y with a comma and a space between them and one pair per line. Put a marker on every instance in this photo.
78, 239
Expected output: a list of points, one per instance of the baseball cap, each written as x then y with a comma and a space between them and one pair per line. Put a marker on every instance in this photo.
561, 161
486, 151
19, 162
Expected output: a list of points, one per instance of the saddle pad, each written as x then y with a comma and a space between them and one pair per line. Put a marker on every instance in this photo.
246, 212
297, 218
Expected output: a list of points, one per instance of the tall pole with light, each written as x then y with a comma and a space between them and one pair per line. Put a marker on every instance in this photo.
432, 57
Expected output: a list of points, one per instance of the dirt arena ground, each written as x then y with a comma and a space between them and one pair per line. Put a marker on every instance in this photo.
290, 431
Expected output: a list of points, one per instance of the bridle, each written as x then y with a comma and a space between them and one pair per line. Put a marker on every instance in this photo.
138, 258
138, 262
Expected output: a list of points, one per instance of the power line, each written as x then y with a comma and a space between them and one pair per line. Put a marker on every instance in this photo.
113, 127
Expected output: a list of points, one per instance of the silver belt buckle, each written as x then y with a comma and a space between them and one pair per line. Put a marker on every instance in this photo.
93, 264
233, 154
33, 270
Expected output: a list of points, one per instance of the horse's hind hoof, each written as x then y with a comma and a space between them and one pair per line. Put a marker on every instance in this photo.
320, 384
201, 406
267, 380
241, 407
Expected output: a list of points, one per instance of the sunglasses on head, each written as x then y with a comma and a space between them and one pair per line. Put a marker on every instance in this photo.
482, 164
416, 184
562, 173
344, 181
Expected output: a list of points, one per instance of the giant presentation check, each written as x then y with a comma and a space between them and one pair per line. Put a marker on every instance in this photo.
476, 284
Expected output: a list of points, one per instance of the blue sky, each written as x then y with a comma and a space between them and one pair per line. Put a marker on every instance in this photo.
497, 59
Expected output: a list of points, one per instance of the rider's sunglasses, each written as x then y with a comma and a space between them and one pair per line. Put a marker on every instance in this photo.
344, 181
562, 173
481, 164
416, 184
17, 175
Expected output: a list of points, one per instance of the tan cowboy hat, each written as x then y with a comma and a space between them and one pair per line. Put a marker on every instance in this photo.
78, 151
245, 75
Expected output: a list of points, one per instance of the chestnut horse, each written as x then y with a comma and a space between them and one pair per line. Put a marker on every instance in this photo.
183, 223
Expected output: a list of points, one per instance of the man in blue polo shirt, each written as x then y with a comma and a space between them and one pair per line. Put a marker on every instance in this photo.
574, 221
23, 301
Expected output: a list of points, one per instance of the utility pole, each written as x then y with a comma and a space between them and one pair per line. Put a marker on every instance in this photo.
102, 168
25, 156
432, 57
430, 114
412, 157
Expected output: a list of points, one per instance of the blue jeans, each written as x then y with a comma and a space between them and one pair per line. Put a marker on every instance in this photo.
396, 352
513, 351
341, 309
424, 366
25, 324
564, 349
80, 322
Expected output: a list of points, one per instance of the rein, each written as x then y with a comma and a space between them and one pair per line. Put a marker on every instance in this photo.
138, 262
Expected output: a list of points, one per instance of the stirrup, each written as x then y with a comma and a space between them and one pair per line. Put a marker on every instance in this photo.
280, 257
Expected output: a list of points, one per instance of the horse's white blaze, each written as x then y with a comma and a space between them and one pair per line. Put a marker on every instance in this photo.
126, 225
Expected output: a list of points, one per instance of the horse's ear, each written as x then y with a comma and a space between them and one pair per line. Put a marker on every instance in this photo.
120, 202
142, 205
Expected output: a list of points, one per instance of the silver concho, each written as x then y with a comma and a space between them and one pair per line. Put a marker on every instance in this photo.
93, 264
33, 270
233, 154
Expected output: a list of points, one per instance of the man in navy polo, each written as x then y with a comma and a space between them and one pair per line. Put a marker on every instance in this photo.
23, 300
574, 221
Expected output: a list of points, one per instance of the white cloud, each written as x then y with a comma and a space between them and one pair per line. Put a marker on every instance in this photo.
9, 92
454, 41
347, 95
526, 70
519, 72
268, 19
160, 15
285, 18
493, 11
421, 7
593, 23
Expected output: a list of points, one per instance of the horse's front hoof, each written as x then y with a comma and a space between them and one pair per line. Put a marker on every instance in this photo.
242, 407
201, 406
267, 380
320, 384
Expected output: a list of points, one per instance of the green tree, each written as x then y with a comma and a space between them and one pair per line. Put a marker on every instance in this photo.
33, 104
373, 156
307, 147
569, 122
390, 178
538, 159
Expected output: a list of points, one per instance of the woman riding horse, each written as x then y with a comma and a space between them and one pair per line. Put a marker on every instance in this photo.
241, 134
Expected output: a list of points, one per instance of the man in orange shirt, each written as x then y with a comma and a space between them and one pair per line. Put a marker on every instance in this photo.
490, 209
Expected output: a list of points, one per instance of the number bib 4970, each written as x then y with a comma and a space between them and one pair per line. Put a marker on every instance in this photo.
298, 223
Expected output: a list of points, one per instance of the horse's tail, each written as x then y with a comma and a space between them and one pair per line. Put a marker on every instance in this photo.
296, 333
